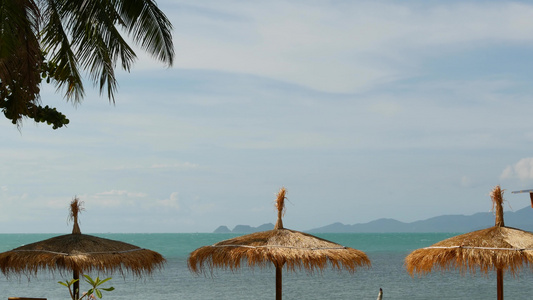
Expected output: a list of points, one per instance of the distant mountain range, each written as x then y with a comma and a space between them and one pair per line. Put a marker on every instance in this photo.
522, 219
244, 228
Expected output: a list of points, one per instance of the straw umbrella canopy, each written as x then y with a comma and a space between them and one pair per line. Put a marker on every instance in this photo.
281, 247
80, 253
498, 248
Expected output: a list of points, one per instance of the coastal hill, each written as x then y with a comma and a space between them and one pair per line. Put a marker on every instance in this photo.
522, 219
244, 228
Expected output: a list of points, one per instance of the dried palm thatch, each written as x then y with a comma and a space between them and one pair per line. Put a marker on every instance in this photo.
497, 248
84, 253
485, 250
280, 247
80, 253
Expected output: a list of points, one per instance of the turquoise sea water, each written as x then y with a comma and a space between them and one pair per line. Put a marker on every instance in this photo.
174, 281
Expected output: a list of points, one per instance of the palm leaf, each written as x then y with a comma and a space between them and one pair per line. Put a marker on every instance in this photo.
149, 27
75, 34
56, 42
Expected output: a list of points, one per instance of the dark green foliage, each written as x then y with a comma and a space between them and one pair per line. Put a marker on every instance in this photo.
53, 41
47, 114
32, 109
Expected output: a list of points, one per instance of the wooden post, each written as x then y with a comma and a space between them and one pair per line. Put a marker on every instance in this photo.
499, 279
75, 208
76, 285
278, 282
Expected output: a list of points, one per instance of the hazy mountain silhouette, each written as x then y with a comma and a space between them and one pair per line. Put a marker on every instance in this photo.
244, 228
522, 219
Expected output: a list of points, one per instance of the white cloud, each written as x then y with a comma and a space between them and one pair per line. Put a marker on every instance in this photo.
171, 203
219, 121
522, 170
342, 47
135, 201
114, 198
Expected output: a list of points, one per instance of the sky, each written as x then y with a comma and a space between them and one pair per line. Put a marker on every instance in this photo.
361, 109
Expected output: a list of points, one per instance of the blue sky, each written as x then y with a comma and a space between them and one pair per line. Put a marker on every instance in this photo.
361, 109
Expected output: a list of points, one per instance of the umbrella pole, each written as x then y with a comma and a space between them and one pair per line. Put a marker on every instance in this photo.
499, 279
278, 282
76, 285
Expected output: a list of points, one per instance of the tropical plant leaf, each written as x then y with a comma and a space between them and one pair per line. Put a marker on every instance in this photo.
103, 281
89, 280
64, 284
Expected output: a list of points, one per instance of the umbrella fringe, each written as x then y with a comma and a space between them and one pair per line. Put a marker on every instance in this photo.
82, 254
58, 253
230, 254
424, 261
481, 248
94, 263
495, 248
285, 247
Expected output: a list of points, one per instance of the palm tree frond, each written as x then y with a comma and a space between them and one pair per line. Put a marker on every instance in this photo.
99, 44
149, 27
54, 39
56, 42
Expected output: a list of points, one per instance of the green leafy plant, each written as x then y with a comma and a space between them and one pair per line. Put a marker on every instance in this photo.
95, 287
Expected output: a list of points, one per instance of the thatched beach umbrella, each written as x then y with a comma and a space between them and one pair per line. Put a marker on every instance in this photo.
79, 253
498, 248
281, 247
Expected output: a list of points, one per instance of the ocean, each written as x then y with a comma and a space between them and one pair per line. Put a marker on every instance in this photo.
385, 250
